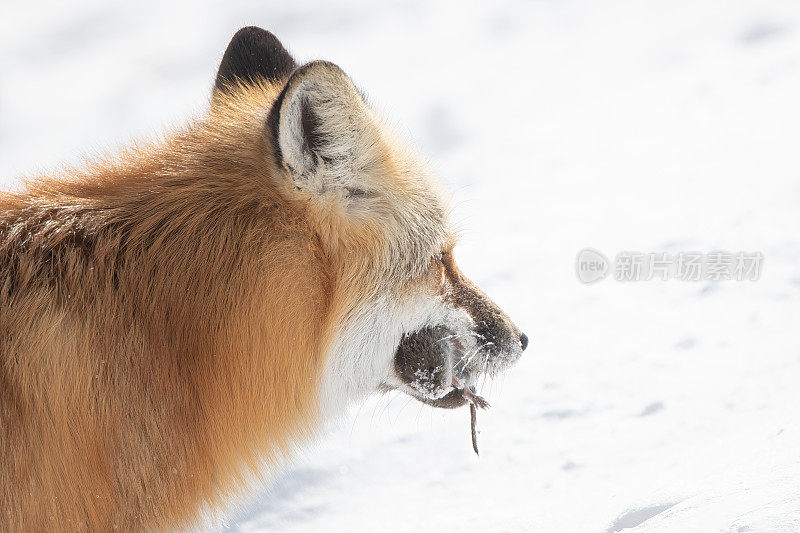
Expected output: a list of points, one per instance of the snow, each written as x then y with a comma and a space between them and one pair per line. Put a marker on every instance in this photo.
616, 125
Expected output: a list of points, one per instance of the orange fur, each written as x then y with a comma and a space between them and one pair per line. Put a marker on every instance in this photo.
164, 317
178, 318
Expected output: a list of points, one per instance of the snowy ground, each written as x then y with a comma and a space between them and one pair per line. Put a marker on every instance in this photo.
620, 125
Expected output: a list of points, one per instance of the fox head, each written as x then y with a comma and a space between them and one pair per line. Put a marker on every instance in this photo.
405, 316
199, 305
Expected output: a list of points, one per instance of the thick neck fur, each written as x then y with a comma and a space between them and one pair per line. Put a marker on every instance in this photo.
173, 289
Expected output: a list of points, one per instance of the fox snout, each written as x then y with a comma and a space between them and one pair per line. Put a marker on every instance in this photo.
436, 363
499, 338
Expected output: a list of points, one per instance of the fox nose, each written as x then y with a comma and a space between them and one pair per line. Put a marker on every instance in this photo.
523, 340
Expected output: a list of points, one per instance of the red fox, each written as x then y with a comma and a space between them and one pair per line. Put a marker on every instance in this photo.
187, 313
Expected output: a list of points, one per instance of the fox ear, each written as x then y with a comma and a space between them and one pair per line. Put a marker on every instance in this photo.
253, 54
325, 134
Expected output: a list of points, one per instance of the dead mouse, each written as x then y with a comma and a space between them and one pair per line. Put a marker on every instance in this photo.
424, 362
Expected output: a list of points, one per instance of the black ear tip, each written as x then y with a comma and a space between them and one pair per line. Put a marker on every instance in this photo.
245, 30
253, 53
254, 37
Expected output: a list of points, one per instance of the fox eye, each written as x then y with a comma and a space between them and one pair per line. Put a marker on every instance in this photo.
438, 257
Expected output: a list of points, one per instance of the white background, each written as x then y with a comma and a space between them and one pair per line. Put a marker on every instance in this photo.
621, 125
